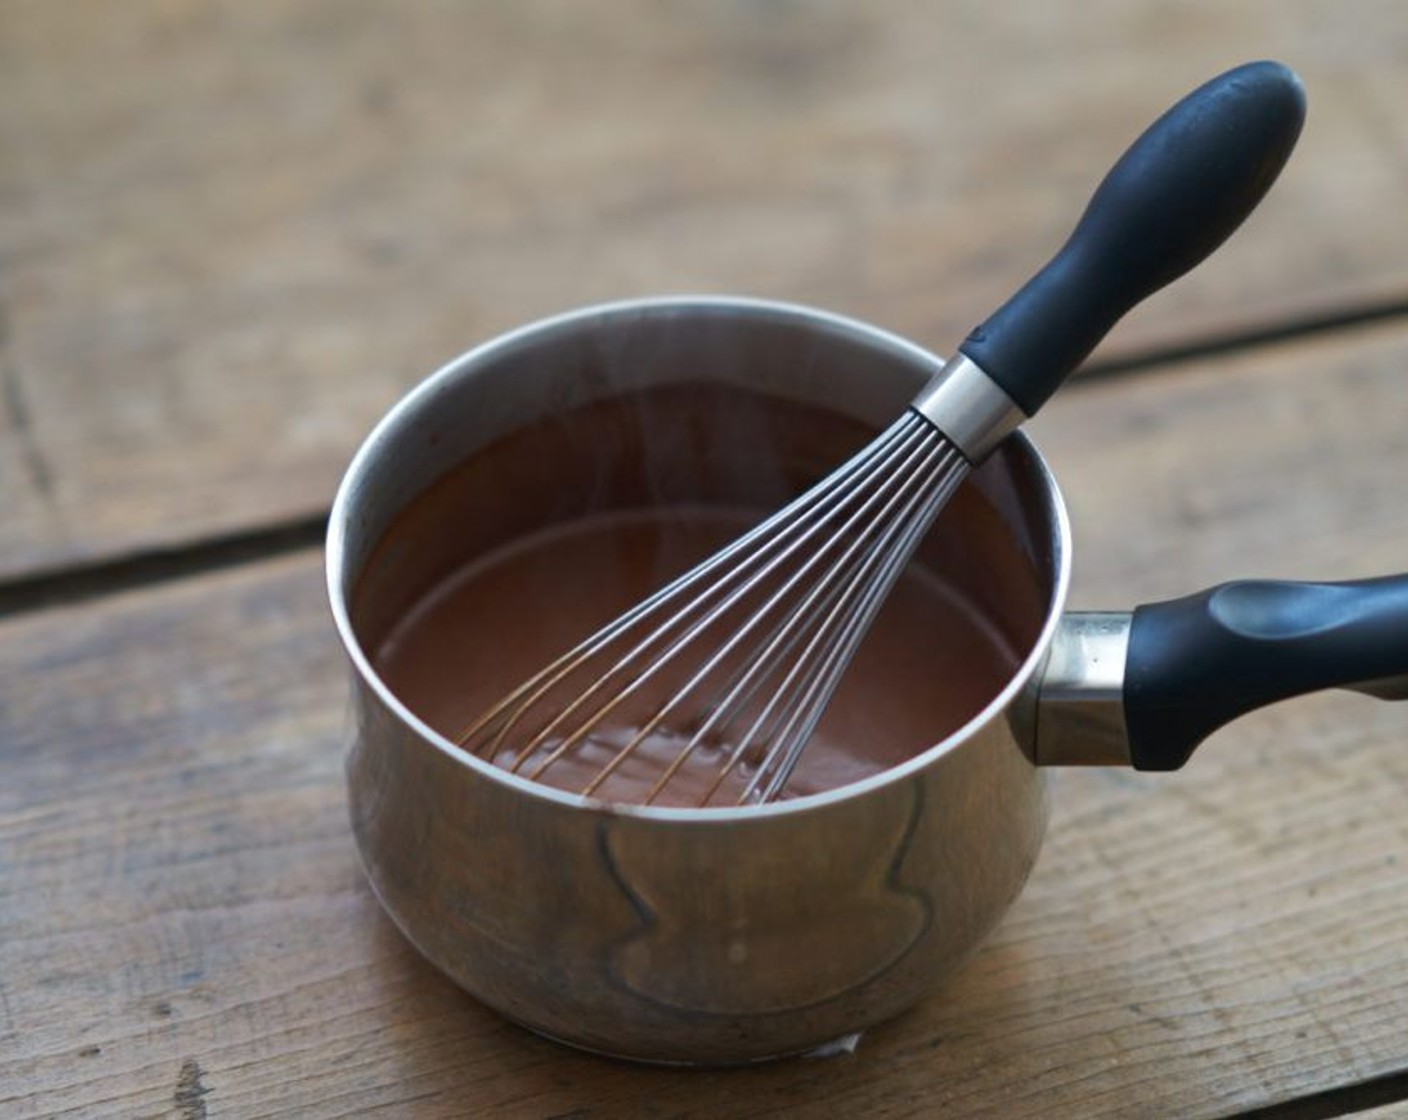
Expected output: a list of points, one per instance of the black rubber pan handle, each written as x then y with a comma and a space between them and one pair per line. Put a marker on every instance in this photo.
1174, 197
1195, 663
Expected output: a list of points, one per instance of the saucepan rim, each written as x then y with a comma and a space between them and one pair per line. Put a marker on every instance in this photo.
382, 439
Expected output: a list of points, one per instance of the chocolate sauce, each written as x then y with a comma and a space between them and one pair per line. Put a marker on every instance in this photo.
474, 624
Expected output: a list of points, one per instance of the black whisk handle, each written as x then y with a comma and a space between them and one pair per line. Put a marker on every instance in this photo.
1173, 197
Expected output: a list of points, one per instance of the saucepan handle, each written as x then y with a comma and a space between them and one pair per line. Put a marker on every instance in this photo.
1154, 684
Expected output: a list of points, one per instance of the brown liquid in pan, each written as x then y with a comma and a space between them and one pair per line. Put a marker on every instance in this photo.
483, 625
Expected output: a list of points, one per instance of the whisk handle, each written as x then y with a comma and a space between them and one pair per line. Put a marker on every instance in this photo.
1173, 197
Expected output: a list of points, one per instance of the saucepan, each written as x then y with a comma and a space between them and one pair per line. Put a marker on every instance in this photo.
731, 935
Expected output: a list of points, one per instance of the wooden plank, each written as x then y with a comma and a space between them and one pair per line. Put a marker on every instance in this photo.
234, 233
1261, 465
183, 926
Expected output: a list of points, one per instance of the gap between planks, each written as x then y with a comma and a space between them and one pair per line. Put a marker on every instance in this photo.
77, 583
1365, 1099
83, 582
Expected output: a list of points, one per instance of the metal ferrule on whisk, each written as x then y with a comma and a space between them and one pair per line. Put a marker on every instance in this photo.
968, 407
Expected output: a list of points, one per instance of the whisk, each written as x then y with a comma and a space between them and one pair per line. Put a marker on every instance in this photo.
732, 665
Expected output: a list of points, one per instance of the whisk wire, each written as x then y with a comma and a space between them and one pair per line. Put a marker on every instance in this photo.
824, 607
821, 566
786, 752
908, 449
788, 540
507, 712
830, 491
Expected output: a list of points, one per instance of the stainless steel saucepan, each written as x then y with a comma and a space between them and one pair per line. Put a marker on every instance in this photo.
731, 935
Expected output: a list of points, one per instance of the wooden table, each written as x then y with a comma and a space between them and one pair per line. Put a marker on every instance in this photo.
232, 234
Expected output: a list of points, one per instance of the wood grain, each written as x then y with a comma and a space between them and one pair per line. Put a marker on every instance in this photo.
184, 930
233, 233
